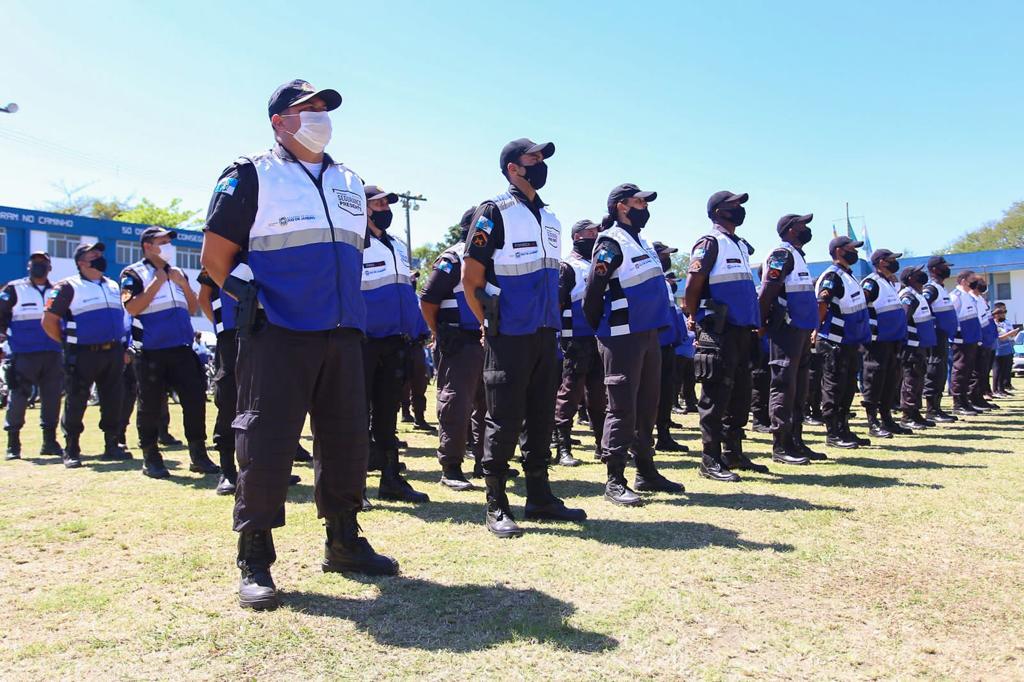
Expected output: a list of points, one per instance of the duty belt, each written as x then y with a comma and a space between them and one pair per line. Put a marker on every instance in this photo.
98, 346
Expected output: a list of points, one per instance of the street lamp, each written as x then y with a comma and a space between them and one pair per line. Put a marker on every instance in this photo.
410, 202
11, 108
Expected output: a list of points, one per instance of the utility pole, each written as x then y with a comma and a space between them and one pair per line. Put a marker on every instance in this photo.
410, 202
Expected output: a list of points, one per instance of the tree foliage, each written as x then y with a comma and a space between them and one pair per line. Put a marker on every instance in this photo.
148, 213
426, 254
74, 202
1006, 233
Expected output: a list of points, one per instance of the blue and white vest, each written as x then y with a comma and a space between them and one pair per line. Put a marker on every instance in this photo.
392, 308
846, 320
942, 310
967, 315
25, 333
669, 336
165, 323
989, 331
225, 309
526, 268
887, 317
96, 314
454, 309
686, 337
574, 322
731, 282
306, 243
797, 295
635, 299
921, 326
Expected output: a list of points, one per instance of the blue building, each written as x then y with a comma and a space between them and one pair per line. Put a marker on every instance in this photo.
23, 231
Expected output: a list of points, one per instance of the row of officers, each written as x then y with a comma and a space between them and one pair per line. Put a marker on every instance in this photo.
316, 312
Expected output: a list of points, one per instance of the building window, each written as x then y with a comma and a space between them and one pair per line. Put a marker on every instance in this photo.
128, 252
62, 245
188, 258
3, 240
1001, 282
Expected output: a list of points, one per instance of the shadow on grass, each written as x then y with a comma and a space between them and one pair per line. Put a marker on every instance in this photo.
752, 502
662, 535
848, 481
926, 449
903, 463
418, 614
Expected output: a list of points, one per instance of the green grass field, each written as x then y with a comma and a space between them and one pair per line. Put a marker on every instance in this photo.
897, 561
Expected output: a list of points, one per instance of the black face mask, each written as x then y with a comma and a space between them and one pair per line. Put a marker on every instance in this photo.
638, 217
584, 247
921, 278
38, 270
850, 257
674, 286
973, 285
666, 263
735, 215
382, 219
942, 273
537, 174
99, 264
893, 266
982, 288
805, 235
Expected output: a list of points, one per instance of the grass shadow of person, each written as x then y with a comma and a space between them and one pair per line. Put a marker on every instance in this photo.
412, 613
661, 535
848, 481
753, 502
869, 463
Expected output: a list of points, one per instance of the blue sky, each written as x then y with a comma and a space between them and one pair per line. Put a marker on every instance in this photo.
910, 112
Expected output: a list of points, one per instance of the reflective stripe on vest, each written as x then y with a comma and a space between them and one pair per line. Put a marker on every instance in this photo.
921, 327
887, 317
306, 243
635, 298
25, 333
391, 303
95, 314
731, 282
989, 332
797, 294
847, 318
967, 315
454, 310
165, 323
526, 268
942, 309
574, 322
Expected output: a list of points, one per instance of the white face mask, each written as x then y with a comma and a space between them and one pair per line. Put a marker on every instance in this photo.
167, 253
314, 130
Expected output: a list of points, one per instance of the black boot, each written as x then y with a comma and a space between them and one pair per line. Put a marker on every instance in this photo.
666, 443
850, 435
199, 461
498, 518
72, 454
783, 451
13, 445
936, 414
891, 426
452, 477
346, 551
153, 463
713, 467
875, 427
393, 485
836, 438
112, 450
649, 480
583, 416
617, 490
801, 448
541, 503
563, 445
50, 445
366, 505
301, 455
170, 441
256, 589
814, 418
734, 458
406, 415
228, 483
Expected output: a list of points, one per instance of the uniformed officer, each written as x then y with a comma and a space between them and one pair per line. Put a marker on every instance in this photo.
414, 390
844, 326
789, 310
1002, 370
881, 366
35, 357
511, 263
920, 341
161, 301
301, 219
459, 358
88, 307
760, 381
625, 303
582, 372
722, 300
946, 327
684, 360
393, 320
980, 383
669, 339
965, 344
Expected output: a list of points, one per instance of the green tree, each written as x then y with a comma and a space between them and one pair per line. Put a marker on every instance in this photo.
680, 263
426, 254
148, 213
74, 202
1006, 233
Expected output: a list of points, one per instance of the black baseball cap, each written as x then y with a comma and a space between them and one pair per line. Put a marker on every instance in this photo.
882, 254
840, 242
511, 152
909, 271
581, 225
725, 196
660, 248
936, 261
86, 248
627, 191
154, 231
467, 217
39, 254
299, 91
670, 275
787, 221
375, 192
